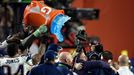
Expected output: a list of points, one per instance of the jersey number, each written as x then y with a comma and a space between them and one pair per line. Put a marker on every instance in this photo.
7, 70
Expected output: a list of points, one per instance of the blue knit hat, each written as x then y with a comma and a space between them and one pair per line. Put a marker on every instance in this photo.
54, 47
50, 55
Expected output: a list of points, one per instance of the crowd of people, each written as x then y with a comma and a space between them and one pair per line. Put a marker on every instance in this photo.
37, 53
52, 60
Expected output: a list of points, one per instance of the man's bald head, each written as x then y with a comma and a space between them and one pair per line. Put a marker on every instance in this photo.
123, 60
65, 57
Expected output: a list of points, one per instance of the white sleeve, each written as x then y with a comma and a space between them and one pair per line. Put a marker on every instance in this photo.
3, 44
75, 73
0, 62
27, 60
34, 49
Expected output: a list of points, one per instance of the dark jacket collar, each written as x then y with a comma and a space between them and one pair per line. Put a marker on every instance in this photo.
65, 65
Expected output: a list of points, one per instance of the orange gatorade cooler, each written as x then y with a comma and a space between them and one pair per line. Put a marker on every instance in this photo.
38, 13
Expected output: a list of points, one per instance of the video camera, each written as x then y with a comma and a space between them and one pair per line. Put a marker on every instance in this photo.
77, 13
81, 38
83, 13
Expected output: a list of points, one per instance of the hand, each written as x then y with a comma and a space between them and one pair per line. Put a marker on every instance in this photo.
40, 30
13, 38
43, 38
78, 66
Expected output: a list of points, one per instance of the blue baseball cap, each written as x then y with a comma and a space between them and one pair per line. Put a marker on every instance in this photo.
57, 25
54, 47
50, 55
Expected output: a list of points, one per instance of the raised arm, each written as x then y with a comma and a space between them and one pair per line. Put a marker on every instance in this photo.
37, 57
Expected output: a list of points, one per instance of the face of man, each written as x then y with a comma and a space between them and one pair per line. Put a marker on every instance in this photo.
66, 57
92, 47
69, 59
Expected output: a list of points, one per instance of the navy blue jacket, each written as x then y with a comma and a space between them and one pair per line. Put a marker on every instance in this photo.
45, 69
64, 68
1, 71
132, 69
2, 52
95, 68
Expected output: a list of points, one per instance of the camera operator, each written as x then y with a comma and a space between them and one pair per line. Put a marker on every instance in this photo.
107, 56
94, 65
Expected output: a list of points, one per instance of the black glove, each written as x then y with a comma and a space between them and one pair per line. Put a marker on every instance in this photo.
13, 39
44, 38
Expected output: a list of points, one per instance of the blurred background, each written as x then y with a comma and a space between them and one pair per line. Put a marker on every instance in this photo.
112, 21
115, 26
